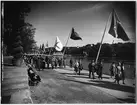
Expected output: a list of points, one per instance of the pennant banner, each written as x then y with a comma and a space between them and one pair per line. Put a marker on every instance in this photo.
74, 35
116, 29
58, 45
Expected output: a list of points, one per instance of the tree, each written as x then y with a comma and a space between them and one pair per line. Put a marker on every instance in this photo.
14, 14
15, 25
18, 34
27, 37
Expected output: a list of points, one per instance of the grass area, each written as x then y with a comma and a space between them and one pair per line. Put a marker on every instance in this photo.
7, 60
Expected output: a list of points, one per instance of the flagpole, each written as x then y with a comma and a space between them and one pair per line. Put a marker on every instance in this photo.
49, 51
102, 39
66, 44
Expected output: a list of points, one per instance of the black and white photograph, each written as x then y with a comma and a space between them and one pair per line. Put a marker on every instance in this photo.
68, 52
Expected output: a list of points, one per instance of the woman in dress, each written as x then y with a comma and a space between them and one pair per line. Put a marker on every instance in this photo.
118, 73
112, 69
76, 67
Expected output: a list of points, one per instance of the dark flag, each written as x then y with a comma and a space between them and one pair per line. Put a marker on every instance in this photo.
74, 35
116, 29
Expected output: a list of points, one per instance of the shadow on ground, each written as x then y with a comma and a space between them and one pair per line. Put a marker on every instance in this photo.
109, 85
106, 84
128, 100
102, 83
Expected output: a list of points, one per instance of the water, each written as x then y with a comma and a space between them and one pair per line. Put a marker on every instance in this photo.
129, 65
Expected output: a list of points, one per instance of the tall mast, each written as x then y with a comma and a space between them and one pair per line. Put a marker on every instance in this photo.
102, 39
66, 44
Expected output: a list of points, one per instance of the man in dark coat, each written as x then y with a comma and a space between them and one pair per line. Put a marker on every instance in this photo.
91, 67
47, 62
80, 66
38, 63
100, 67
71, 62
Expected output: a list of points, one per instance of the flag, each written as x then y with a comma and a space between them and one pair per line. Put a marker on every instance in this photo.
116, 29
58, 45
74, 35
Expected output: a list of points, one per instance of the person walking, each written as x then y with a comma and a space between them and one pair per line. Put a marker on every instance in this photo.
43, 63
38, 63
71, 62
123, 72
118, 73
100, 67
59, 62
91, 68
80, 66
53, 62
64, 62
46, 61
56, 63
112, 69
76, 67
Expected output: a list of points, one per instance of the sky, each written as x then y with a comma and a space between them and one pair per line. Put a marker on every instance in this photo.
56, 18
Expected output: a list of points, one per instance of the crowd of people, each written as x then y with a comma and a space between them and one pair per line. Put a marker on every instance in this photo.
116, 69
40, 63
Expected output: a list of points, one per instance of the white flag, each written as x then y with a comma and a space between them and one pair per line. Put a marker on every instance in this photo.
58, 45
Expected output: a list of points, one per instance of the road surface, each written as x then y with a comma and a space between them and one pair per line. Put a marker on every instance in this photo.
57, 87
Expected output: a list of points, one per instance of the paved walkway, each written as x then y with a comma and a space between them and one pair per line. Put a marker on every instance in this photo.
15, 89
123, 91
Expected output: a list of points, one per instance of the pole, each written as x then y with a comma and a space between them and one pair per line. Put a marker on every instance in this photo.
66, 45
49, 51
102, 39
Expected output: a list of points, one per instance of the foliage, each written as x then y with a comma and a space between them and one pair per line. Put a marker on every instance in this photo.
18, 35
120, 50
27, 37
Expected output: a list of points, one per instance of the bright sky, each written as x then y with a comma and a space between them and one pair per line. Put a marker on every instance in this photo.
53, 19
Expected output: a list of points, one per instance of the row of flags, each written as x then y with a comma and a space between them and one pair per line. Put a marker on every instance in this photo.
58, 45
116, 30
74, 36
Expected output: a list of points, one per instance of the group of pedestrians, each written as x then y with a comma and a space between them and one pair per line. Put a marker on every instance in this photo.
38, 62
42, 62
116, 69
78, 67
95, 67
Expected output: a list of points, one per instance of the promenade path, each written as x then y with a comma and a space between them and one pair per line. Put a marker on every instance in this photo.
63, 86
124, 92
14, 87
